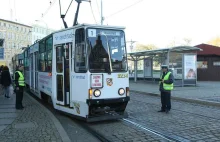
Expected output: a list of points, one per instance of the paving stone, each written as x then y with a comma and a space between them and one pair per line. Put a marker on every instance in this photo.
6, 121
27, 124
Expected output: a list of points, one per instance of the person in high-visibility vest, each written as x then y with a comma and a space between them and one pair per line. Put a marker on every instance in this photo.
19, 87
166, 86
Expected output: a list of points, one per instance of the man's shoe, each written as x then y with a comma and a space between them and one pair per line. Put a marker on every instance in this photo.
161, 111
167, 110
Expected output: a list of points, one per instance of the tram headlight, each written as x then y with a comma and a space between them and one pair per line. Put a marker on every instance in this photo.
97, 93
121, 91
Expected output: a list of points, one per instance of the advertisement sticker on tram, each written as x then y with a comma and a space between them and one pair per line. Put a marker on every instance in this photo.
96, 81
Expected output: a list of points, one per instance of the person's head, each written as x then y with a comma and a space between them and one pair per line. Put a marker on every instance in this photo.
164, 68
98, 40
20, 67
5, 68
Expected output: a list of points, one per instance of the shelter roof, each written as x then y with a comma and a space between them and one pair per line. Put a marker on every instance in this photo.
164, 50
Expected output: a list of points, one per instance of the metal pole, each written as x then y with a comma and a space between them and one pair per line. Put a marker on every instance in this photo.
135, 69
77, 13
102, 19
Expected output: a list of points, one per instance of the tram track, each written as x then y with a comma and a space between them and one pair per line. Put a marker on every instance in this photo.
78, 122
97, 133
159, 134
94, 128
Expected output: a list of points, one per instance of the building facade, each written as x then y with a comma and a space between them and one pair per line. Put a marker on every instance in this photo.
14, 37
39, 32
208, 63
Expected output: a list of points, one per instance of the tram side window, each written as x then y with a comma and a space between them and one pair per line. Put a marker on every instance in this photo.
59, 59
80, 52
49, 47
26, 61
42, 56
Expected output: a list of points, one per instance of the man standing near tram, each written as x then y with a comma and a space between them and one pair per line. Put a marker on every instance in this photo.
166, 85
19, 87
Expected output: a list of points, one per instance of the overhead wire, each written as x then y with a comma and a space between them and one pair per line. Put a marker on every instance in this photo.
92, 12
98, 7
123, 9
51, 5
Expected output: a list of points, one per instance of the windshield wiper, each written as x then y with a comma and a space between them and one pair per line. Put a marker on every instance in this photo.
109, 56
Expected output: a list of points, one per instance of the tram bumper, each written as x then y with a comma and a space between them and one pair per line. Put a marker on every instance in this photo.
107, 109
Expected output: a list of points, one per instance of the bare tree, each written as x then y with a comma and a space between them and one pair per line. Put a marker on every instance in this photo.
215, 41
142, 47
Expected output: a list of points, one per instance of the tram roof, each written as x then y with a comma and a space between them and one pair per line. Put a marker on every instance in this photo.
91, 25
165, 50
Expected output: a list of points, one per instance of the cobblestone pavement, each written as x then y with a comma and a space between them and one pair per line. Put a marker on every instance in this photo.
75, 132
31, 124
186, 121
119, 131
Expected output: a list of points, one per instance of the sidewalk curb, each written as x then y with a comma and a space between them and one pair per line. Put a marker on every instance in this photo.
59, 127
198, 101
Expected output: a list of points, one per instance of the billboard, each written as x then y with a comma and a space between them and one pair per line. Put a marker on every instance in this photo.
1, 53
190, 65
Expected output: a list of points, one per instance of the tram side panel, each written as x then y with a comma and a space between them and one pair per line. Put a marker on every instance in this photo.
80, 93
45, 83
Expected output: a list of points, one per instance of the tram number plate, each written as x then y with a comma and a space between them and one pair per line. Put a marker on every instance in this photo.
122, 75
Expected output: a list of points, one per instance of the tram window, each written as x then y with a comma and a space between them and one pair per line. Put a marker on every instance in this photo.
49, 43
49, 46
26, 60
80, 52
80, 58
59, 59
42, 46
49, 61
42, 56
42, 62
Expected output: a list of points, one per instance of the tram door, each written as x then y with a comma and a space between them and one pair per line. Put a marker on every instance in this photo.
36, 70
31, 71
63, 64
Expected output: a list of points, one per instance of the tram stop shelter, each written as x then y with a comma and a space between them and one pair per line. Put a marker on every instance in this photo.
182, 62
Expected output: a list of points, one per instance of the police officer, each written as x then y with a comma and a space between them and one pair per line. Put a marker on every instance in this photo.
19, 87
166, 85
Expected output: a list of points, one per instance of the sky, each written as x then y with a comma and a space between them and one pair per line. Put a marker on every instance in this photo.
158, 22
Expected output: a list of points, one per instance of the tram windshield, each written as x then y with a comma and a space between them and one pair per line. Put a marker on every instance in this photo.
107, 50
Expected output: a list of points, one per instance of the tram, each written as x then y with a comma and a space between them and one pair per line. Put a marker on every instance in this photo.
82, 70
17, 59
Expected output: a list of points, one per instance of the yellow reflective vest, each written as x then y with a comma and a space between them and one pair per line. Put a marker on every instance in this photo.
20, 79
167, 87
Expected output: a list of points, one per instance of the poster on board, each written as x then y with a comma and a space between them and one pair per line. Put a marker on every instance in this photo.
147, 67
190, 65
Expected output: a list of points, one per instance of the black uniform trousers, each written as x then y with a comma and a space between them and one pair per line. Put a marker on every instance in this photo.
165, 100
19, 97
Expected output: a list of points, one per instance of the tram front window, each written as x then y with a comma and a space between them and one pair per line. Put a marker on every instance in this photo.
107, 51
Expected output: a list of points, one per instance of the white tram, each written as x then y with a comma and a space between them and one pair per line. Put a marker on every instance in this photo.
82, 70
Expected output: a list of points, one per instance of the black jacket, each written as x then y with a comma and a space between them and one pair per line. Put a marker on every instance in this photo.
169, 81
6, 78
